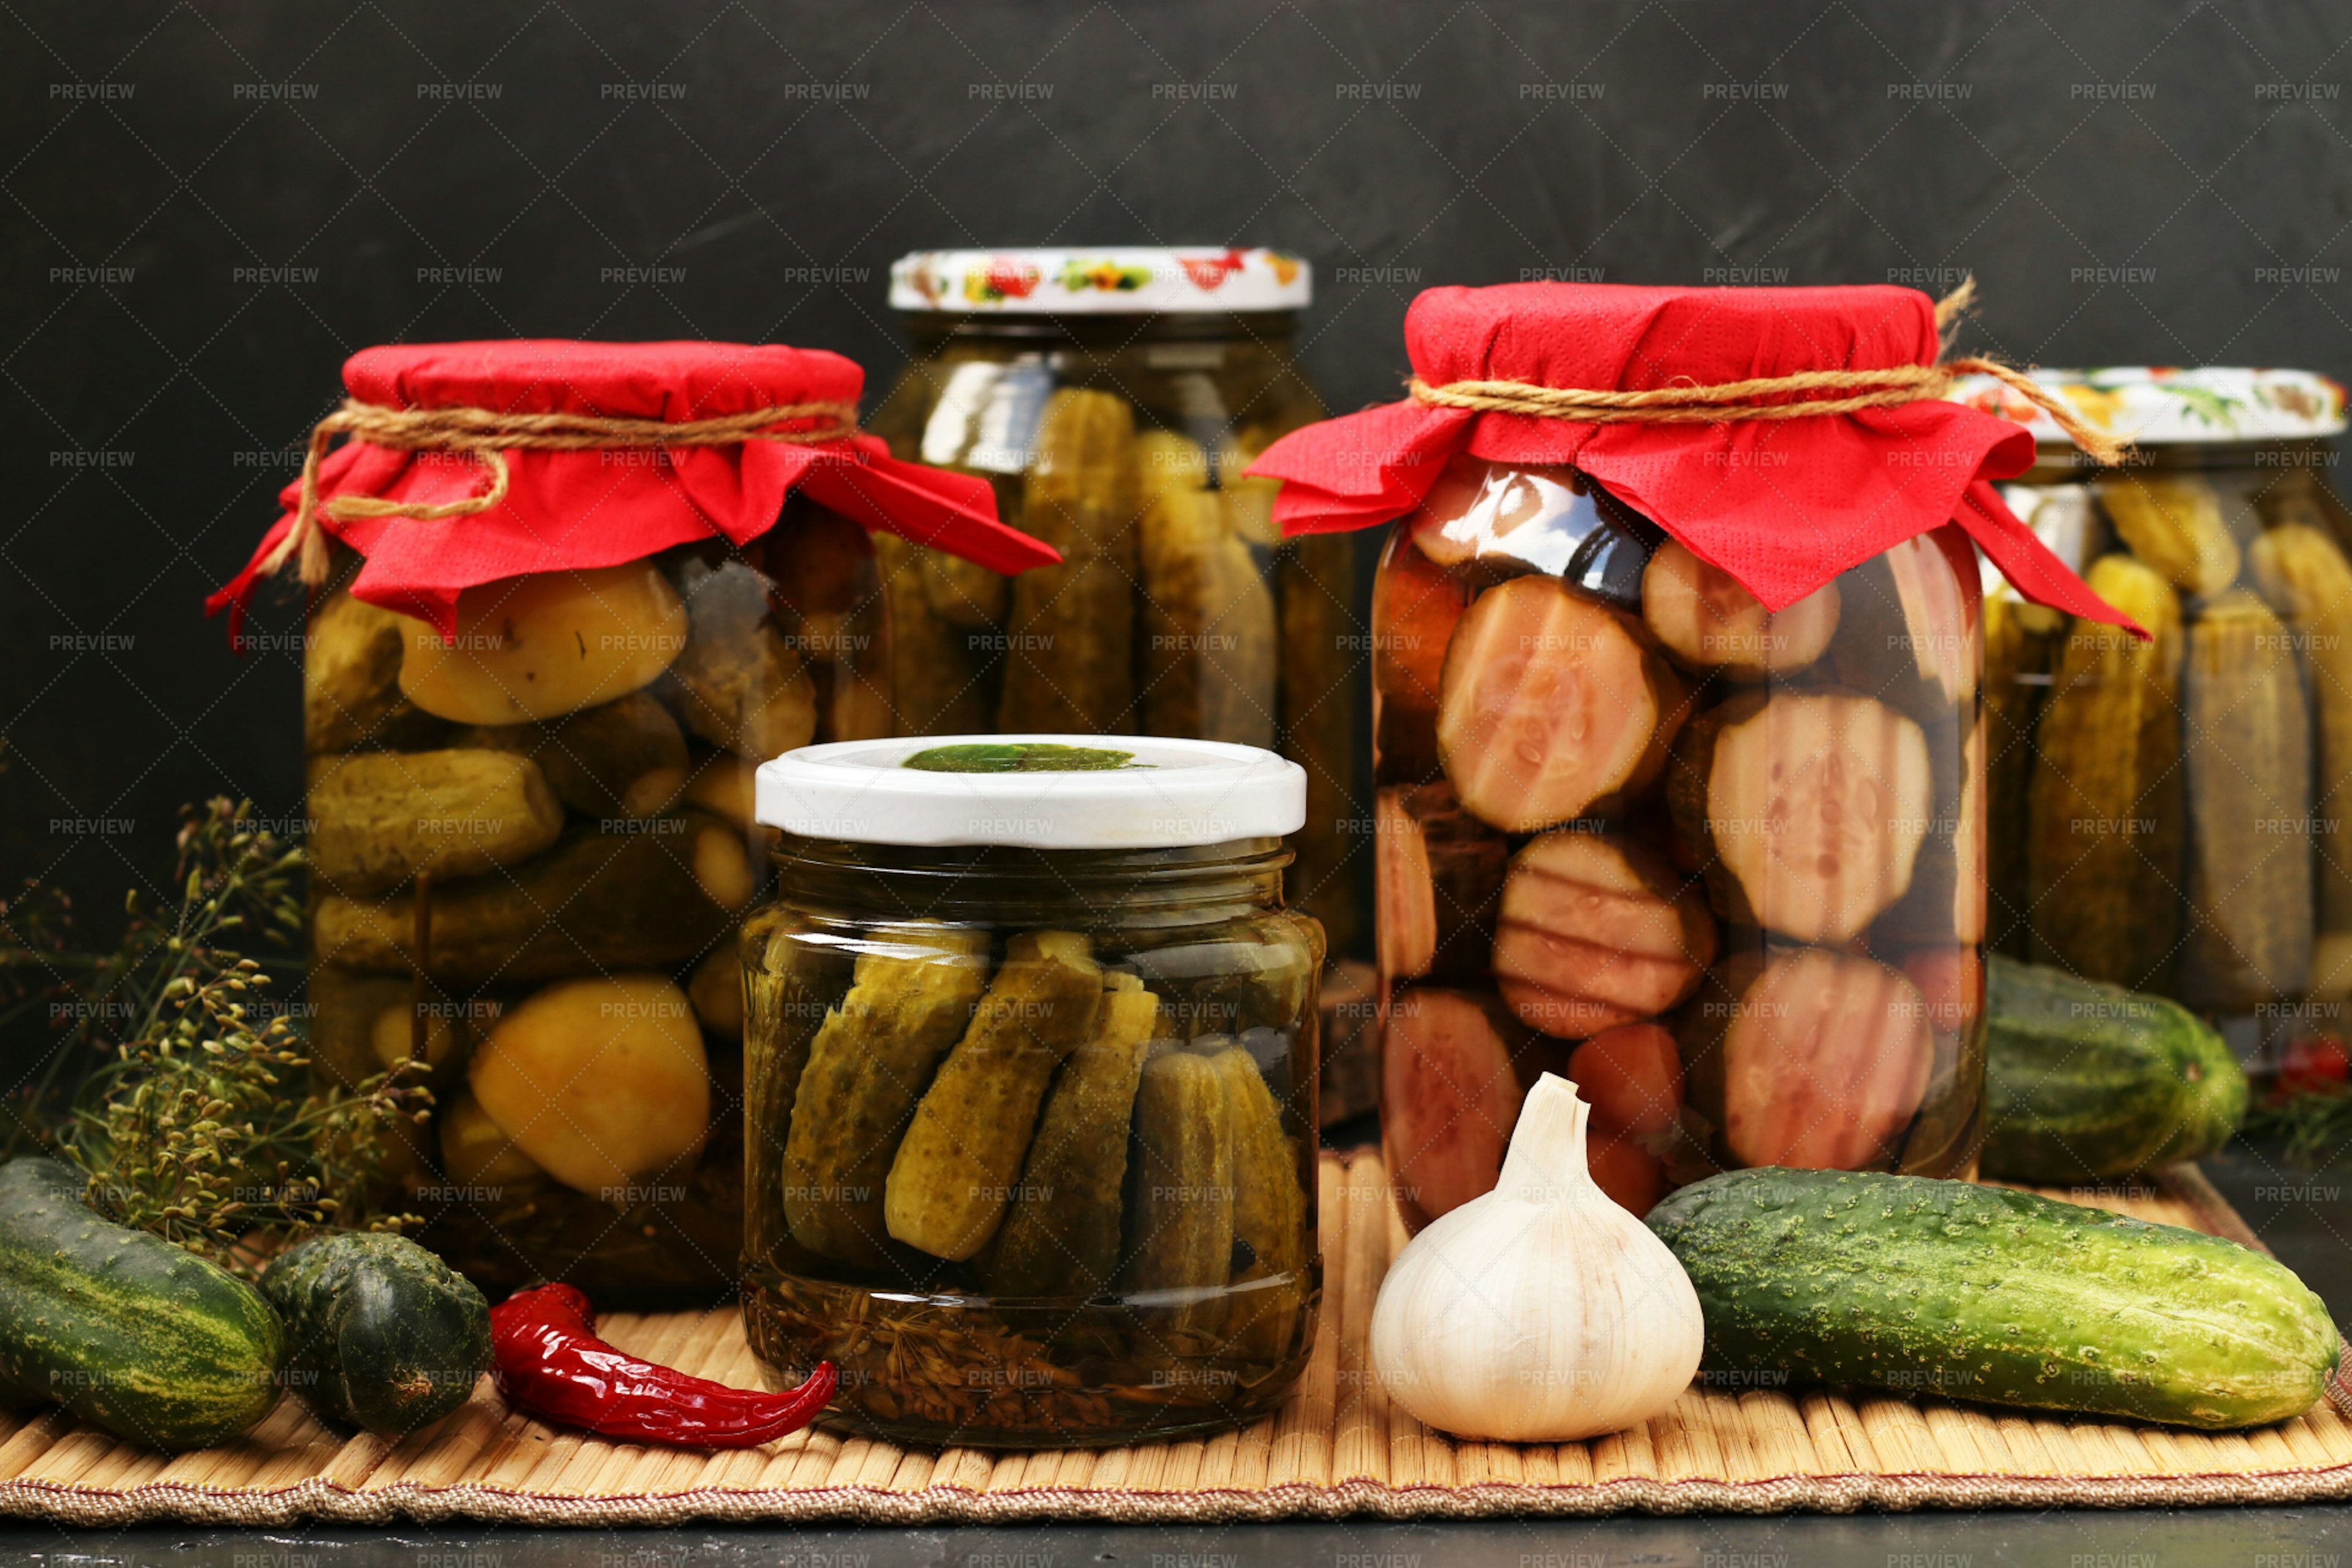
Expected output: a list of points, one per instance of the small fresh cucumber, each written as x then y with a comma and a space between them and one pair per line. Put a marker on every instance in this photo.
124, 1329
385, 1336
2086, 1081
1863, 1279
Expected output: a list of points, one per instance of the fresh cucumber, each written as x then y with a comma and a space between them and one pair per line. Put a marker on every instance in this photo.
1863, 1279
124, 1329
385, 1336
2086, 1081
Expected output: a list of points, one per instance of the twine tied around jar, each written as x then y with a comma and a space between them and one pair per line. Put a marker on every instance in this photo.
488, 434
1811, 394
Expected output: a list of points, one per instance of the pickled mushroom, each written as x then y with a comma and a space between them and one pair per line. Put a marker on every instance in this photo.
602, 1081
477, 1151
721, 783
737, 683
716, 989
543, 645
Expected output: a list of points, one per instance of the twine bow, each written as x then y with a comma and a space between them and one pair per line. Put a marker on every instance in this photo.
489, 435
1811, 394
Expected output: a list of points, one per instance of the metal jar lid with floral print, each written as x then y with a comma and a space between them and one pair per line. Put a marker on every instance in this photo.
2154, 405
1098, 281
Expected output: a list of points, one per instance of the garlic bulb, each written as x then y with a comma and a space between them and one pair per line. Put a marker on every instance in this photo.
1542, 1311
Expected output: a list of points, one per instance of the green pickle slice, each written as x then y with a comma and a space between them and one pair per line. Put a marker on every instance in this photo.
907, 1001
1062, 1235
952, 1178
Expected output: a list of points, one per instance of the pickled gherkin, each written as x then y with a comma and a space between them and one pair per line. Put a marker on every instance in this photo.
913, 989
952, 1177
1071, 627
1209, 621
938, 674
2301, 571
2102, 853
2248, 765
1062, 1235
2174, 523
1268, 1211
1183, 1235
2020, 640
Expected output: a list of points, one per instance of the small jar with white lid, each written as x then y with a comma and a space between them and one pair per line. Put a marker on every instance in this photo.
1030, 1087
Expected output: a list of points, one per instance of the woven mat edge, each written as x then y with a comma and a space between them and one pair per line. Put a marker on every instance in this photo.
319, 1500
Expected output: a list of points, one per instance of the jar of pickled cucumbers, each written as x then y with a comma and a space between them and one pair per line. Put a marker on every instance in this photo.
1114, 397
2170, 814
1031, 1063
564, 597
1676, 728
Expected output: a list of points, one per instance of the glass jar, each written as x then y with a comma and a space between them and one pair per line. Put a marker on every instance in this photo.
1722, 868
1032, 1086
586, 847
2168, 816
1114, 398
529, 801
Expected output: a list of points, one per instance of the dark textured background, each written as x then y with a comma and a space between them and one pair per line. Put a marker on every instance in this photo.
207, 206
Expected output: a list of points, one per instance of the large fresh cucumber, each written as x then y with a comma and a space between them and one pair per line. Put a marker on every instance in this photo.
124, 1329
1863, 1279
2086, 1081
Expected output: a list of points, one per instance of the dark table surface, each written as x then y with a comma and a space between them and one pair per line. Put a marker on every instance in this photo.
2301, 1213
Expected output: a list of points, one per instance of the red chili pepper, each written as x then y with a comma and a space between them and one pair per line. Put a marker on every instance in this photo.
2314, 1064
548, 1361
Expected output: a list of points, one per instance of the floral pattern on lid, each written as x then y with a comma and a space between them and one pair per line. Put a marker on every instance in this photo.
1101, 280
2161, 405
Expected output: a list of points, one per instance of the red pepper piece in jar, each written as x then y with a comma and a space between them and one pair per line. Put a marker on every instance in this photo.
550, 1363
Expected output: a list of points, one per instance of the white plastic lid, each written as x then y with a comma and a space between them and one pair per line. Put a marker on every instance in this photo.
1101, 280
2157, 405
1167, 793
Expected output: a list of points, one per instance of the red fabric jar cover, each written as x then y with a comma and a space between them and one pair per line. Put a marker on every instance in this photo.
1781, 505
576, 509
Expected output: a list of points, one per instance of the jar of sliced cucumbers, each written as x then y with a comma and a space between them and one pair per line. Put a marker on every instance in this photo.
2172, 815
535, 684
1114, 397
1031, 1065
1676, 730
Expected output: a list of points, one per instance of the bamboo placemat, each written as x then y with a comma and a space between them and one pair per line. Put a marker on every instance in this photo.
1336, 1449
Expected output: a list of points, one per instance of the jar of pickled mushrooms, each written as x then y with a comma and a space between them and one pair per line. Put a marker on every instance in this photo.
2171, 815
1031, 1044
564, 598
1676, 726
1114, 398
